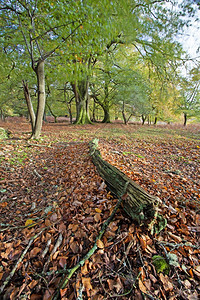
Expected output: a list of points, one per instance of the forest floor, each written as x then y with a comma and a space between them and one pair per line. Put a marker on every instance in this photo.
53, 205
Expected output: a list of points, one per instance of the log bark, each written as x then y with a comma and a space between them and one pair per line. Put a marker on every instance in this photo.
137, 203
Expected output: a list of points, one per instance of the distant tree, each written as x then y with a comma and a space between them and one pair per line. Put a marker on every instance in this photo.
189, 100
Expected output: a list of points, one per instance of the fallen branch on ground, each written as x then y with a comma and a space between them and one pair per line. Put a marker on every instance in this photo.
138, 204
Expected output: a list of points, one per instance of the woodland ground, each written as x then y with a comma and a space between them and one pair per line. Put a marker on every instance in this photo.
53, 205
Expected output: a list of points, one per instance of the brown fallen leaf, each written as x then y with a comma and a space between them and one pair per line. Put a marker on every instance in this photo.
111, 283
35, 251
36, 297
48, 294
86, 281
33, 283
118, 285
175, 237
62, 262
84, 268
141, 286
74, 247
100, 244
168, 286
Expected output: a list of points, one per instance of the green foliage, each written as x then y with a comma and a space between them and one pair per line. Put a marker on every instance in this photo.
125, 49
160, 264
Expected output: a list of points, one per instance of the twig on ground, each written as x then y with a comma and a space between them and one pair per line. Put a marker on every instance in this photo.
57, 245
46, 248
37, 174
90, 253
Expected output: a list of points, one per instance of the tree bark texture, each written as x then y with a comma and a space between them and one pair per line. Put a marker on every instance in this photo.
39, 70
137, 203
29, 104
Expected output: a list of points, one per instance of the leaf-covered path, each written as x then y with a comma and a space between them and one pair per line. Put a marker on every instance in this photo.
53, 205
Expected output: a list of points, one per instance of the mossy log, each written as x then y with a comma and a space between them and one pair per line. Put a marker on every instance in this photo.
137, 203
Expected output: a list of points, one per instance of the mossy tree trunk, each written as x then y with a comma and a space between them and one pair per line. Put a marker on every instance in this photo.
137, 203
80, 89
106, 110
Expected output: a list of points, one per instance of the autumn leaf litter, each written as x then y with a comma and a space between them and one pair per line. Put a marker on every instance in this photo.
52, 196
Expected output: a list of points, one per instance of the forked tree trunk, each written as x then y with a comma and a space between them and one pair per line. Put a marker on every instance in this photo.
137, 203
39, 70
29, 104
143, 119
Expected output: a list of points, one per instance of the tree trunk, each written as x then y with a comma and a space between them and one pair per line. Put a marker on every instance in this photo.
2, 115
123, 113
29, 105
51, 112
45, 116
137, 203
143, 119
82, 102
39, 70
155, 121
94, 112
185, 119
106, 111
70, 113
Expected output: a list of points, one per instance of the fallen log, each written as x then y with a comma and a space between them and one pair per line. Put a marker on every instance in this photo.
137, 203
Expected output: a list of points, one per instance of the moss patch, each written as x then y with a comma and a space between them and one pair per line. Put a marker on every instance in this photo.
3, 133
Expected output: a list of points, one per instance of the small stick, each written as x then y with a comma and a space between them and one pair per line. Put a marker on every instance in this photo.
46, 249
37, 174
57, 245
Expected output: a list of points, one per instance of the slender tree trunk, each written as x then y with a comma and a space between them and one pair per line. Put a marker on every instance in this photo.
185, 119
70, 112
29, 105
2, 116
155, 121
69, 106
52, 113
106, 106
39, 70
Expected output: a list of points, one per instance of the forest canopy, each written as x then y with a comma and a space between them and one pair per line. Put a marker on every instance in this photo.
98, 61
